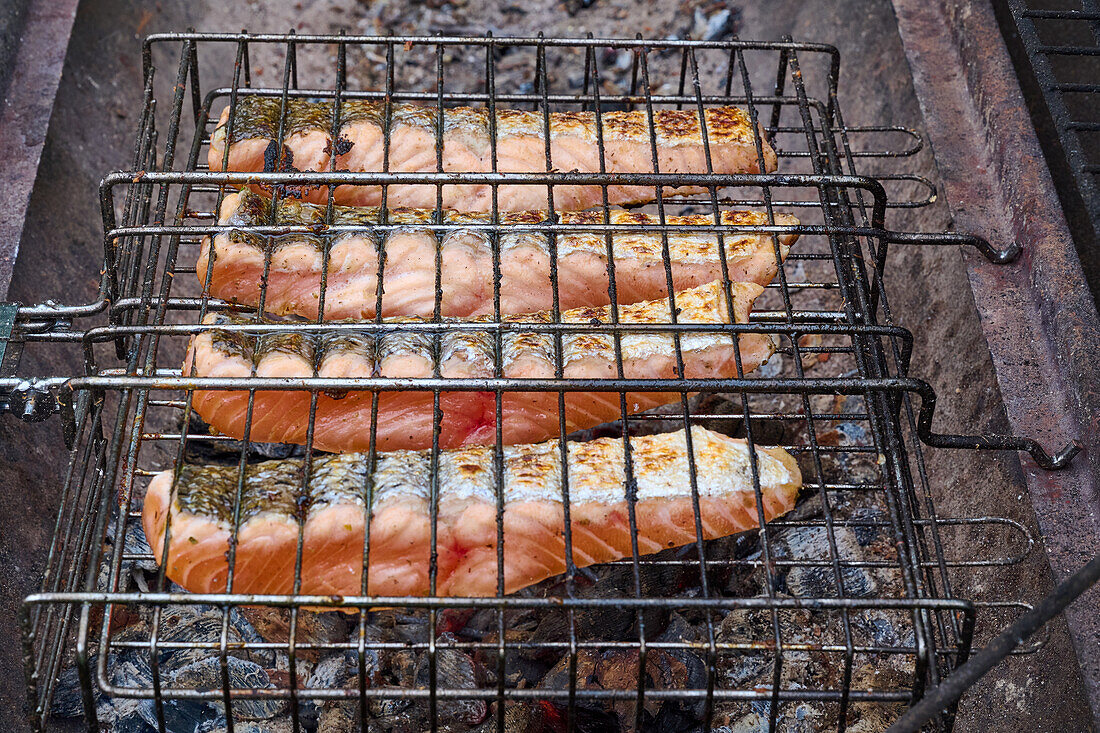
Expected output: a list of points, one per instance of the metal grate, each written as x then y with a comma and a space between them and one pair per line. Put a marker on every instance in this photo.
1056, 49
841, 611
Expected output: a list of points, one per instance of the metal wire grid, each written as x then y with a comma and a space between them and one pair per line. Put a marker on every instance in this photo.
1062, 46
165, 210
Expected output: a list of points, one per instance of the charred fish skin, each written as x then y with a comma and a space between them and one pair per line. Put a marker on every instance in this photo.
247, 210
629, 141
285, 271
703, 305
257, 117
343, 493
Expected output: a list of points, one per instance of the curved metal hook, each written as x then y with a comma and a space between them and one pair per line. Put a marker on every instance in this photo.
991, 253
1046, 461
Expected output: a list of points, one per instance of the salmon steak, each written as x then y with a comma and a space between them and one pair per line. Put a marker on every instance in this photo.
239, 261
328, 505
631, 141
464, 350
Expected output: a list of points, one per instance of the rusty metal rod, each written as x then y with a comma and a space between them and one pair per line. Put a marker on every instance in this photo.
936, 700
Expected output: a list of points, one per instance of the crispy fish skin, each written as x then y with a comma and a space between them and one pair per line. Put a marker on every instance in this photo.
405, 418
238, 261
630, 143
330, 511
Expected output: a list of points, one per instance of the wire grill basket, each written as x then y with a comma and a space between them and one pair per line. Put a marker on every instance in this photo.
840, 612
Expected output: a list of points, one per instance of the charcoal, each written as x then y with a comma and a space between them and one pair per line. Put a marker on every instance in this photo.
484, 621
618, 669
744, 581
820, 582
800, 670
681, 669
794, 717
339, 716
866, 535
617, 581
133, 723
402, 670
189, 624
226, 452
737, 670
336, 668
68, 699
678, 629
871, 717
811, 544
121, 712
741, 669
405, 722
273, 625
453, 620
848, 466
130, 669
673, 719
852, 433
249, 634
765, 432
388, 707
808, 507
609, 624
772, 368
882, 629
340, 669
181, 715
696, 679
545, 716
135, 543
180, 624
309, 712
410, 627
740, 577
523, 666
455, 670
557, 678
277, 725
207, 674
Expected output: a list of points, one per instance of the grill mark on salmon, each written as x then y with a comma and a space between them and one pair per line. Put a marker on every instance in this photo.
331, 513
521, 147
466, 256
405, 418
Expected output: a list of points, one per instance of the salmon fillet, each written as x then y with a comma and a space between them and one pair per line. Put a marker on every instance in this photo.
520, 148
469, 418
296, 263
330, 511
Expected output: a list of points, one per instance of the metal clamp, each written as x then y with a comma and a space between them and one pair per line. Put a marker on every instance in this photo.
31, 400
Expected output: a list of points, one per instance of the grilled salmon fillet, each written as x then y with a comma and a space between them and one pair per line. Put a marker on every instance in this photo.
295, 261
307, 129
331, 508
405, 417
